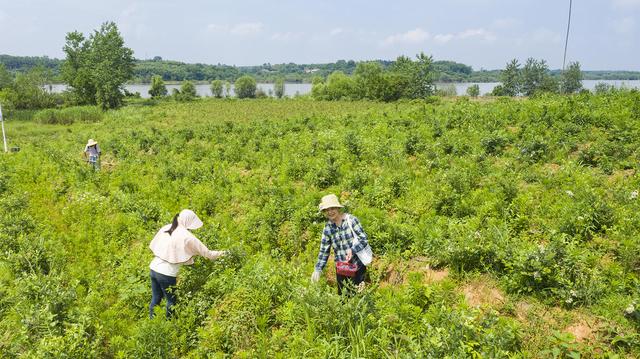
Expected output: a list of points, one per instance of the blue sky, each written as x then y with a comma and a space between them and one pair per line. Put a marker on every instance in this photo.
605, 34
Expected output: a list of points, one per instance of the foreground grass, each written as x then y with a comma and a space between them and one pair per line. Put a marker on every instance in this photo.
502, 228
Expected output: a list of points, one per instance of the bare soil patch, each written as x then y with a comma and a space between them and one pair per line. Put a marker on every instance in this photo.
397, 273
483, 293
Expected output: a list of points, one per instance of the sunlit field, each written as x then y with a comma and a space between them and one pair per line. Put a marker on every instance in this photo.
501, 227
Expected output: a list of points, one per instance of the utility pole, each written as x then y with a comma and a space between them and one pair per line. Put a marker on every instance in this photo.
4, 137
566, 40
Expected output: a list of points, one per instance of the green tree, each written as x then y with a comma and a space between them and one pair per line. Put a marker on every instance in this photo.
510, 78
400, 78
498, 90
187, 92
112, 65
549, 84
422, 80
339, 86
571, 80
5, 77
217, 88
278, 87
447, 90
410, 79
97, 68
396, 88
261, 94
77, 70
370, 81
158, 89
318, 88
603, 88
245, 87
533, 76
28, 90
473, 90
227, 88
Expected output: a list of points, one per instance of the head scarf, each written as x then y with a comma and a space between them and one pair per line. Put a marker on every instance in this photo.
189, 220
172, 247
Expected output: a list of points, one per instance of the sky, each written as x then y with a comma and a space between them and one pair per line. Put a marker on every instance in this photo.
485, 34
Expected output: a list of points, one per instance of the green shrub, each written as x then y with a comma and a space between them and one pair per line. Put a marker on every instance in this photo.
245, 87
540, 195
67, 116
559, 272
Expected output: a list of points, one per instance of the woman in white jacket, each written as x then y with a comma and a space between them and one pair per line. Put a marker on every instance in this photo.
172, 247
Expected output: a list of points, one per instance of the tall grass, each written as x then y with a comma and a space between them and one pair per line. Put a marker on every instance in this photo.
69, 115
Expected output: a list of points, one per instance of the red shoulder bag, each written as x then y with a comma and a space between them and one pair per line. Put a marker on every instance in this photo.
346, 269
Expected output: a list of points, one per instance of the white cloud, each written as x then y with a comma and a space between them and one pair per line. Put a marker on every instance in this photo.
624, 26
217, 28
418, 36
466, 34
247, 28
481, 33
287, 36
336, 31
412, 37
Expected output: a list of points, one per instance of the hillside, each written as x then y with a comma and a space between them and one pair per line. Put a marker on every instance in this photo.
445, 71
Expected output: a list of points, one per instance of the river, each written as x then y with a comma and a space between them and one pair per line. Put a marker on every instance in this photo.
294, 89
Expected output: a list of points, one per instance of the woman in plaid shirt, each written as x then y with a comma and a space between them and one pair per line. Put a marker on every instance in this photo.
337, 234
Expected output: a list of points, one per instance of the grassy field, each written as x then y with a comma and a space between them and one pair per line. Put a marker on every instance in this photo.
501, 228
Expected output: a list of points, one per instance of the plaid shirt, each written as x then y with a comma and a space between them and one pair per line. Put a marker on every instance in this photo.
341, 238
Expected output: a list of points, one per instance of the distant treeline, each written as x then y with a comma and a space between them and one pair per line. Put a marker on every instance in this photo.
144, 70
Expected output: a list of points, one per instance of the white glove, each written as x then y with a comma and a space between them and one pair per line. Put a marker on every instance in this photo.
315, 277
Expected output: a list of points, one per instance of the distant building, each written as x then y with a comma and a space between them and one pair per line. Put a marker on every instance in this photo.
310, 71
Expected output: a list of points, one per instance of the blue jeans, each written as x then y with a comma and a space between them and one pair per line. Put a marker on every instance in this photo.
162, 286
94, 161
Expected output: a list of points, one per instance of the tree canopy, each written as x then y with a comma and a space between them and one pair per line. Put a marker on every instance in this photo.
571, 79
97, 68
217, 88
245, 87
534, 77
278, 87
404, 79
158, 88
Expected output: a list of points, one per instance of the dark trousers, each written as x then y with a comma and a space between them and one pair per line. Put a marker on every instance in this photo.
162, 286
349, 283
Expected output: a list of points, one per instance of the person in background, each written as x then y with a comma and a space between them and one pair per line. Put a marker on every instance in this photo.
92, 153
174, 246
338, 234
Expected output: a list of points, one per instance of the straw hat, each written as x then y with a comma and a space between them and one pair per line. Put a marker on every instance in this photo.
329, 201
92, 142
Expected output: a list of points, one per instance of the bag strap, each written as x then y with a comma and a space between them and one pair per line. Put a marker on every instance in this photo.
355, 239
